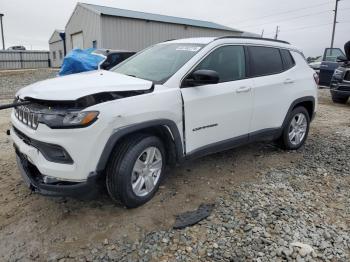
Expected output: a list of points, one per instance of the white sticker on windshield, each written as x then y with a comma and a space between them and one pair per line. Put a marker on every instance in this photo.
188, 48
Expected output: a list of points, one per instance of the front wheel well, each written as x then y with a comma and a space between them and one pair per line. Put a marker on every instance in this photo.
162, 132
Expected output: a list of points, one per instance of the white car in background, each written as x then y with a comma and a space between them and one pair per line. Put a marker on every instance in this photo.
174, 101
316, 65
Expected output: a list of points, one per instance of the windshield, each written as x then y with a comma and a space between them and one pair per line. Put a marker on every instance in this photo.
159, 62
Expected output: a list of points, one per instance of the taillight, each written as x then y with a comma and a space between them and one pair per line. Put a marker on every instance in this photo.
316, 78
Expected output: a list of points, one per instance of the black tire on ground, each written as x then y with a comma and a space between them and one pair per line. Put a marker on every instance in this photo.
339, 99
284, 140
120, 169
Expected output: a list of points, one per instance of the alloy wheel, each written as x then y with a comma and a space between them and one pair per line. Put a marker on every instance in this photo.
146, 171
297, 129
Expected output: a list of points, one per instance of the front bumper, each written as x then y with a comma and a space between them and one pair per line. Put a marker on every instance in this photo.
34, 181
340, 85
341, 91
83, 145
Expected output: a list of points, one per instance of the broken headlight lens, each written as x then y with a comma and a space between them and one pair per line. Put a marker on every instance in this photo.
69, 119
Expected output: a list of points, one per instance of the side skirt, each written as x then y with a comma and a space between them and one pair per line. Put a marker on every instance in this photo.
262, 135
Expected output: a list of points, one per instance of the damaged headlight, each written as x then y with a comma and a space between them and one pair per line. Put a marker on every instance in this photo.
69, 119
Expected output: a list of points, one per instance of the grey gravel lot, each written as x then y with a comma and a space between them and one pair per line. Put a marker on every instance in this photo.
12, 80
270, 205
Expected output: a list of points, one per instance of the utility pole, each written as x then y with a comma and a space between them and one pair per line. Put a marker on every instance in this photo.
262, 33
2, 32
277, 31
335, 21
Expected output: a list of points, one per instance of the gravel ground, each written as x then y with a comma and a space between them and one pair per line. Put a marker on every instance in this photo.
270, 205
12, 80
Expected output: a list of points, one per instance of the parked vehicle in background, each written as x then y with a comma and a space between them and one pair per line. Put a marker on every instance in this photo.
328, 65
17, 47
340, 84
174, 101
315, 65
83, 60
113, 57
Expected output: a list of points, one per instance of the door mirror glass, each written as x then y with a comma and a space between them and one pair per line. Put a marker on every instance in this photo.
202, 77
105, 65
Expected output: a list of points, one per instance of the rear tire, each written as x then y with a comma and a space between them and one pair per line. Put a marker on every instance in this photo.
135, 170
296, 130
339, 99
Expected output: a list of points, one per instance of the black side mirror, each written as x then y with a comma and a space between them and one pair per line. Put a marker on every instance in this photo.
202, 77
106, 65
341, 58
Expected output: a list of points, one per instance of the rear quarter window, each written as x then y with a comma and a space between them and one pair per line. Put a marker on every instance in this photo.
288, 60
265, 61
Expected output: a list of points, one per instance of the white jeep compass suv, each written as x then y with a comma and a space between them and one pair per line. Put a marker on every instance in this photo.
173, 101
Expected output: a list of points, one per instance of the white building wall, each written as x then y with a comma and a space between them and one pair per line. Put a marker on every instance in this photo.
58, 49
87, 22
135, 34
56, 46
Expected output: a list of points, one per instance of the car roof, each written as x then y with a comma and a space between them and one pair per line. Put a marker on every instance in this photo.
236, 40
195, 40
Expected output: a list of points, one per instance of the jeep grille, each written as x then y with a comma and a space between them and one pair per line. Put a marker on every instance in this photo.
27, 116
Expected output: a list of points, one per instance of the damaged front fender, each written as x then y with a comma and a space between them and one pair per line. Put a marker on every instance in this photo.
65, 114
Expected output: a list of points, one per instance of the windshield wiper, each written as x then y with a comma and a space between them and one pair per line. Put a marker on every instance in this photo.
131, 75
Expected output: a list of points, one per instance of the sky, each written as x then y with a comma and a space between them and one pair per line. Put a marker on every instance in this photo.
306, 24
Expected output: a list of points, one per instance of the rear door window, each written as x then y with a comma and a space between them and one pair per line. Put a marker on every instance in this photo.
264, 61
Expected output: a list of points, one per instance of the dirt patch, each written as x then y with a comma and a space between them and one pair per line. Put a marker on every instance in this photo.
31, 226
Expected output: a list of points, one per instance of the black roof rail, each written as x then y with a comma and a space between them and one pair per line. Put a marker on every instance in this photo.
254, 38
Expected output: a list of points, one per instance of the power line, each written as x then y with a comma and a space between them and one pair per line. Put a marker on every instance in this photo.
306, 27
291, 18
285, 12
299, 28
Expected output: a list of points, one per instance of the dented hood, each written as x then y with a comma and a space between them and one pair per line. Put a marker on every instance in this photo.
72, 87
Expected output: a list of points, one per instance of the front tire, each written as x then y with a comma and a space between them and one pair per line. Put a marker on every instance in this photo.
296, 130
135, 170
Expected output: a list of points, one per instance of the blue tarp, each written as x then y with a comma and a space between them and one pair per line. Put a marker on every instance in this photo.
79, 60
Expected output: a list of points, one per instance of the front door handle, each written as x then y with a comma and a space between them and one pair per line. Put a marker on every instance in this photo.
289, 81
243, 89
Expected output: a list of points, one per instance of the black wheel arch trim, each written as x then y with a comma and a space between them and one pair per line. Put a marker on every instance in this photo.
296, 102
122, 132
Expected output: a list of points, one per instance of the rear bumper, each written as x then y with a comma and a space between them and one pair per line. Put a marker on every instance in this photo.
34, 181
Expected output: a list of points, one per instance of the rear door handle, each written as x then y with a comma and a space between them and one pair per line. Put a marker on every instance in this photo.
243, 89
289, 81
